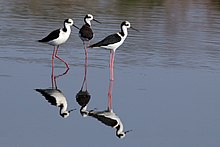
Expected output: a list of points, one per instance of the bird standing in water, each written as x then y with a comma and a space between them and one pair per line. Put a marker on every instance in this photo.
58, 37
86, 34
112, 42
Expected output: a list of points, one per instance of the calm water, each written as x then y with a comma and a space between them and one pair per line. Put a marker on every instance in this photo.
166, 86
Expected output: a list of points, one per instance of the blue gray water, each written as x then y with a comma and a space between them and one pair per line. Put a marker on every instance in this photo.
166, 86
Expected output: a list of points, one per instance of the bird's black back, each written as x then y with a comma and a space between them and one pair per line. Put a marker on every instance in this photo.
47, 96
105, 120
53, 35
111, 39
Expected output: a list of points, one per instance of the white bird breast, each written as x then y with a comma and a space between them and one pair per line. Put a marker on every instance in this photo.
63, 36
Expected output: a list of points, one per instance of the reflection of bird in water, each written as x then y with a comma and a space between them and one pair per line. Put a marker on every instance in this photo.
109, 118
112, 42
58, 37
55, 97
83, 98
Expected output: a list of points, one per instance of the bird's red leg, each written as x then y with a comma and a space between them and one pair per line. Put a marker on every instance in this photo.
85, 67
110, 95
52, 75
112, 56
111, 64
67, 66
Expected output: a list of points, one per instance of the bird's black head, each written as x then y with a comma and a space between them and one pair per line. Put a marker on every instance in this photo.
121, 133
126, 23
68, 21
88, 16
65, 114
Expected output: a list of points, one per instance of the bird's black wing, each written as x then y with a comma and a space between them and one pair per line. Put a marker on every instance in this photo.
86, 32
53, 35
105, 120
111, 39
47, 96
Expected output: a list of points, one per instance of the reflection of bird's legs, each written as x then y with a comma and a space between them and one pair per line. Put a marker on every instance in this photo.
110, 95
53, 77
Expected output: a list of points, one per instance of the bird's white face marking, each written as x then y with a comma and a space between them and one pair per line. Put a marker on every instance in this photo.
88, 18
69, 22
127, 24
121, 135
65, 114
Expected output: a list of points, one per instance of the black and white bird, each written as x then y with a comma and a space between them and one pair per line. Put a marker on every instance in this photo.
58, 37
86, 33
112, 42
109, 118
55, 97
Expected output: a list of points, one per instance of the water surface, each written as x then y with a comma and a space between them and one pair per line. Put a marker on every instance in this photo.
166, 86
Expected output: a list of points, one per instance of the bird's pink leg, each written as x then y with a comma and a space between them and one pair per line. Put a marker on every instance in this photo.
111, 65
85, 66
112, 56
55, 77
110, 95
67, 66
52, 75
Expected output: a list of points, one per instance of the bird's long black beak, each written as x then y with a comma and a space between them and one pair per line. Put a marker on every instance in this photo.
76, 26
97, 21
135, 29
128, 131
71, 110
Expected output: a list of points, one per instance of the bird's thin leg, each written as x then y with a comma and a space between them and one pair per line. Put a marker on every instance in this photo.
52, 75
112, 56
60, 75
110, 61
85, 66
110, 95
67, 66
55, 77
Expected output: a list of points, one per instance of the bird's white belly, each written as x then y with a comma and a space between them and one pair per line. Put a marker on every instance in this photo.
63, 36
113, 46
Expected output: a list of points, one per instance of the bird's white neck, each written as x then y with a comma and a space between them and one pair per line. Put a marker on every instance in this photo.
124, 31
88, 21
63, 109
120, 128
66, 28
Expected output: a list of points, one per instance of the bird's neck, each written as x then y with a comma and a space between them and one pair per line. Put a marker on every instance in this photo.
66, 28
124, 32
63, 109
87, 22
119, 128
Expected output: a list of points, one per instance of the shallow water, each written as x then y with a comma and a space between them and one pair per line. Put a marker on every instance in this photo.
166, 86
